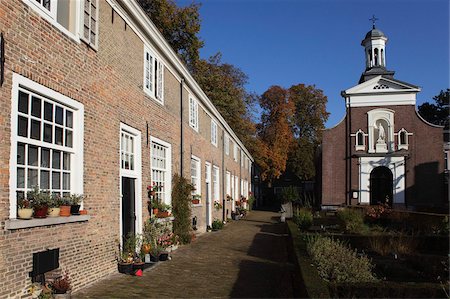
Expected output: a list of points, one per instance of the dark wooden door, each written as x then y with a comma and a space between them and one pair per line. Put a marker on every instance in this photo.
381, 186
128, 207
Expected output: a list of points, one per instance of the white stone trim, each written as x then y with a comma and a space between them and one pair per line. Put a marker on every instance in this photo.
381, 114
77, 178
395, 164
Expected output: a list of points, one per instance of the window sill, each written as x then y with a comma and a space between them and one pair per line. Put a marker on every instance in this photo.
164, 220
35, 222
197, 205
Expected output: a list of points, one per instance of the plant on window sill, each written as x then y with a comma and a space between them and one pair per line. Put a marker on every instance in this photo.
196, 198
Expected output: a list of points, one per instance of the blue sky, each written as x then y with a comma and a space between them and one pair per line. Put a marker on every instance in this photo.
286, 42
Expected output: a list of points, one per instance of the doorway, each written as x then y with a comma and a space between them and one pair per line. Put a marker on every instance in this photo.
381, 186
128, 208
208, 194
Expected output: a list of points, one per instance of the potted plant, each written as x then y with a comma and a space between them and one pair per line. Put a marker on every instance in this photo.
61, 287
40, 202
149, 238
64, 208
217, 205
229, 198
154, 254
154, 205
153, 202
76, 200
24, 209
196, 199
54, 205
125, 263
164, 211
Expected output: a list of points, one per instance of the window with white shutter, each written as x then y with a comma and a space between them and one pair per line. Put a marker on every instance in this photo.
193, 113
153, 76
90, 23
227, 144
213, 132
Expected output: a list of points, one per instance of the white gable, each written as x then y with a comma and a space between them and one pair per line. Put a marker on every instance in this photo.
380, 91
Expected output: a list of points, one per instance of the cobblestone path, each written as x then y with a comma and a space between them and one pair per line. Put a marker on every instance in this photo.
247, 259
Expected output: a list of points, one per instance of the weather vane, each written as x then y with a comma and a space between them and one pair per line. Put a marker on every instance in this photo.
373, 19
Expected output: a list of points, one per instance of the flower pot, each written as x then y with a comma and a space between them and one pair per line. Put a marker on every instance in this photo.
75, 209
53, 212
66, 295
40, 212
138, 266
64, 211
83, 212
163, 256
125, 268
155, 211
195, 201
162, 214
154, 258
26, 213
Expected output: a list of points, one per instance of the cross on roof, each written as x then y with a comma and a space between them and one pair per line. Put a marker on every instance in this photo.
373, 19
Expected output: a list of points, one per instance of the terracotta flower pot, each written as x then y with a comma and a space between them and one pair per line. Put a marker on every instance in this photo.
64, 211
155, 211
195, 201
162, 214
25, 213
40, 212
53, 212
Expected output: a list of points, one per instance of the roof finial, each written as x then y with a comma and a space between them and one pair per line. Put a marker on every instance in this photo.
373, 19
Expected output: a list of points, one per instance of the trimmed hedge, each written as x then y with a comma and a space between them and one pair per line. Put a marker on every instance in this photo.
314, 286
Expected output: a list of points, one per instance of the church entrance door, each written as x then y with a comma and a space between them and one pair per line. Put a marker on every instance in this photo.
381, 186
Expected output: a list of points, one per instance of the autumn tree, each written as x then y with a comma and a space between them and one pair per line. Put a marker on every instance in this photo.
180, 26
307, 123
275, 131
437, 113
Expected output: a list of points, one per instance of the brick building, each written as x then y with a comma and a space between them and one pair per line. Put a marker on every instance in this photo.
382, 150
95, 101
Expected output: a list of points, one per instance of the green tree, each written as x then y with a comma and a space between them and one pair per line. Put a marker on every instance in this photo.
437, 113
180, 26
308, 123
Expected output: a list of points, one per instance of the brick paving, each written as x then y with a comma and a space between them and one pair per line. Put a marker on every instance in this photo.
247, 259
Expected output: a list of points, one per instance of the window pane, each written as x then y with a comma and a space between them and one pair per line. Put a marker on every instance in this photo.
56, 160
69, 119
32, 155
58, 135
20, 178
59, 115
22, 127
36, 107
48, 133
36, 129
68, 138
45, 179
66, 181
56, 180
66, 161
131, 162
48, 111
45, 157
32, 178
21, 154
23, 102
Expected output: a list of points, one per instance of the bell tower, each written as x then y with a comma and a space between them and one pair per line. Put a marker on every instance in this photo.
374, 44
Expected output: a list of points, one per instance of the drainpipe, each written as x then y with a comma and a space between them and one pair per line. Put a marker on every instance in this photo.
181, 128
223, 177
349, 192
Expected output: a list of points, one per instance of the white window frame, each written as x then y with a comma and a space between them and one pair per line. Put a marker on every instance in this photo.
213, 133
227, 144
193, 113
77, 162
235, 151
82, 37
228, 183
401, 145
360, 147
236, 188
198, 183
51, 17
155, 71
168, 177
216, 183
242, 158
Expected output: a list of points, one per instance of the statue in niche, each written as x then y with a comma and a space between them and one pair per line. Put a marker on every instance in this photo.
381, 133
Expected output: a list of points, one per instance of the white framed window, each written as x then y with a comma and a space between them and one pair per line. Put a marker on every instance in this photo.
127, 154
360, 140
236, 188
227, 144
242, 158
213, 132
235, 151
228, 183
161, 168
193, 113
196, 175
89, 32
46, 141
402, 142
215, 183
153, 76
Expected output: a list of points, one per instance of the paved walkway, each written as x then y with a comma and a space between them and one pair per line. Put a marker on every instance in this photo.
248, 258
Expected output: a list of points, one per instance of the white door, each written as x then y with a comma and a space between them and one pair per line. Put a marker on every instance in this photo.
208, 193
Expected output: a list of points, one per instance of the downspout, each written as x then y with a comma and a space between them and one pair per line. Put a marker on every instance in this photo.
223, 177
181, 128
346, 147
349, 192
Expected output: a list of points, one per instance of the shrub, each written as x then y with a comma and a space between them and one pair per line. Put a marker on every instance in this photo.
353, 220
336, 262
401, 244
217, 224
181, 208
303, 218
251, 200
289, 194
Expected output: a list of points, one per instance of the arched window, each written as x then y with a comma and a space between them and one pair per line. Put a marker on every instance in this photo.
376, 56
360, 143
382, 57
403, 139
